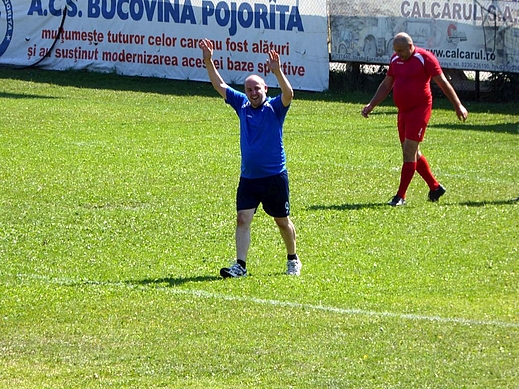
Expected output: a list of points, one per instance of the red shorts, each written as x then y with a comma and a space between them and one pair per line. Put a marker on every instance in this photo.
412, 123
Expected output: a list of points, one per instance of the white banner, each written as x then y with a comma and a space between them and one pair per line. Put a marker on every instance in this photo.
463, 34
159, 38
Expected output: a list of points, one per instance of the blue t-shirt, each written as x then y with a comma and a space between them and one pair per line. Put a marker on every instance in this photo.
261, 134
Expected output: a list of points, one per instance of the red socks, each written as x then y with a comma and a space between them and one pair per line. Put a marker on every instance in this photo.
408, 169
422, 167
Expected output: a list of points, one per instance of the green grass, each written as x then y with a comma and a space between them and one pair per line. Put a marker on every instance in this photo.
117, 211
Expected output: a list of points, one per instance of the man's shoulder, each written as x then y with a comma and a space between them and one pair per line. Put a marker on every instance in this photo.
272, 99
236, 92
429, 60
234, 96
276, 103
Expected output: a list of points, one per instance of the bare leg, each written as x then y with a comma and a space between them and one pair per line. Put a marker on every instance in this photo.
243, 222
411, 150
288, 233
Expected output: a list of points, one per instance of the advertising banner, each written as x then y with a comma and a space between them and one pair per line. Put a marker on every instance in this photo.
159, 38
463, 34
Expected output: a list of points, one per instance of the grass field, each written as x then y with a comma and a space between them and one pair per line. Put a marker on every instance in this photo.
117, 211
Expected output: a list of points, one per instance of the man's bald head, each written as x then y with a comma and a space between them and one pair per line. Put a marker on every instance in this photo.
403, 45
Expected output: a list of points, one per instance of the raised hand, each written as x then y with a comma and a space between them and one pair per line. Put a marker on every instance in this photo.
207, 48
274, 63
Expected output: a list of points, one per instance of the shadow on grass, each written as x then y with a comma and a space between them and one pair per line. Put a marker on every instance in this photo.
492, 202
356, 207
109, 81
164, 86
346, 207
172, 282
7, 95
510, 128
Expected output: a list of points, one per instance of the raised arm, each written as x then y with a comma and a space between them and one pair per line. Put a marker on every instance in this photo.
218, 83
382, 91
449, 91
287, 93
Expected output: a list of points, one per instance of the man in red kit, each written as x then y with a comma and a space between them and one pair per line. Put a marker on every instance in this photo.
410, 71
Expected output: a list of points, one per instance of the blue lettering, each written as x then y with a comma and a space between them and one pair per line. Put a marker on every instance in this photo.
120, 11
170, 10
245, 15
223, 14
294, 20
161, 10
207, 11
150, 9
35, 7
261, 12
283, 9
270, 17
94, 9
136, 9
227, 14
53, 11
71, 8
188, 13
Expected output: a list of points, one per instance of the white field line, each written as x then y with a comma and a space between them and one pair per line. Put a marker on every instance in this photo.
278, 303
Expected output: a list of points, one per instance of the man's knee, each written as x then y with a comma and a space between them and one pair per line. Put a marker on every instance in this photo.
410, 150
244, 218
282, 222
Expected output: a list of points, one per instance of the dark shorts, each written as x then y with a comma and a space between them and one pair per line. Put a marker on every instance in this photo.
412, 123
272, 192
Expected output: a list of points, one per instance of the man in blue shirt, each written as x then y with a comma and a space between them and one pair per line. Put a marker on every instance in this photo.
264, 177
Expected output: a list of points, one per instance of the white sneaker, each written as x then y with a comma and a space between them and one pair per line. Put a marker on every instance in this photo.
294, 267
236, 270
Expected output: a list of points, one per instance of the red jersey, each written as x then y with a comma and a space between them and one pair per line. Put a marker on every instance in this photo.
412, 86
